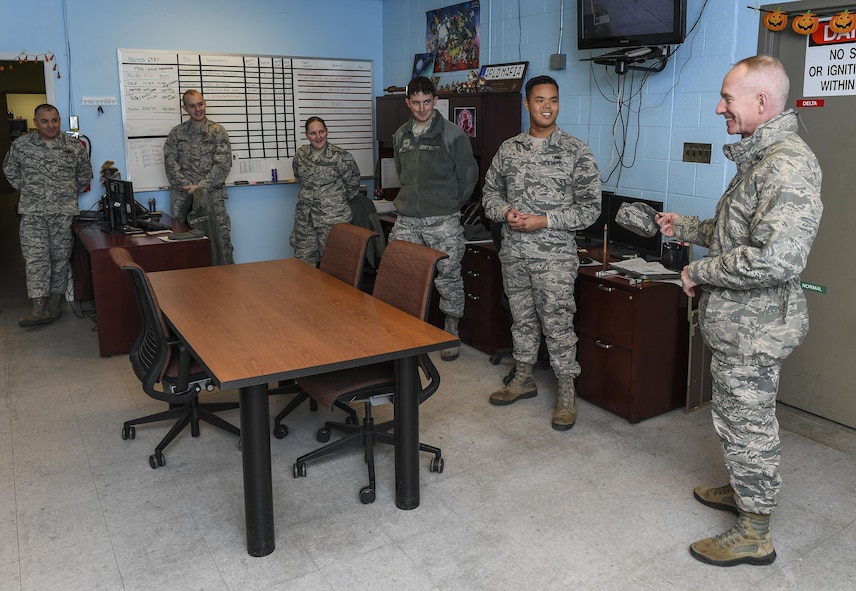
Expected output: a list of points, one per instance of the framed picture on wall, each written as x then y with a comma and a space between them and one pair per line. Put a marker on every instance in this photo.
465, 118
423, 65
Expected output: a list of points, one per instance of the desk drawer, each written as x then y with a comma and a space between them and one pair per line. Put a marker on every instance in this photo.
605, 379
607, 312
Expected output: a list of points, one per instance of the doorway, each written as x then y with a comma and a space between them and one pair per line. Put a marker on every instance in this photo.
20, 85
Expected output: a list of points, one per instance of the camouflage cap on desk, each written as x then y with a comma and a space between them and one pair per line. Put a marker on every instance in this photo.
637, 217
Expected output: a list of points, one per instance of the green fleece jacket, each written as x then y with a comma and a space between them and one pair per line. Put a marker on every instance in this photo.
437, 170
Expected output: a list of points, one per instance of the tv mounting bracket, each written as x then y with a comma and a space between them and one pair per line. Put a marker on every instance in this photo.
626, 59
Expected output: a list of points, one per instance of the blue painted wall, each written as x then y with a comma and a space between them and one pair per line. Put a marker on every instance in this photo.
666, 109
262, 217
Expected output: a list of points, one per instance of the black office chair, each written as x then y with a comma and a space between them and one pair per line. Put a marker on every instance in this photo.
344, 257
158, 358
404, 279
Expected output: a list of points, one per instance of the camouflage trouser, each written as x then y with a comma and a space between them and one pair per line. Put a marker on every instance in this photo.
541, 297
744, 416
224, 222
46, 243
308, 240
443, 233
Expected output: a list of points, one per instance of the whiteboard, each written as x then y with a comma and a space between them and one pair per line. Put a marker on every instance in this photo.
263, 102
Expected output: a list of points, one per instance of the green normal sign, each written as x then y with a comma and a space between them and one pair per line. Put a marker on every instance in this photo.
812, 287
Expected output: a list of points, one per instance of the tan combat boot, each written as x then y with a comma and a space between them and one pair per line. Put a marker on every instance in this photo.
747, 542
721, 497
54, 306
521, 386
565, 414
451, 353
38, 315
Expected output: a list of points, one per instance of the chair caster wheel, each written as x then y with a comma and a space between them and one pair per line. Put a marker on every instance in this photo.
280, 431
437, 465
128, 432
367, 495
323, 435
495, 359
349, 420
299, 470
156, 459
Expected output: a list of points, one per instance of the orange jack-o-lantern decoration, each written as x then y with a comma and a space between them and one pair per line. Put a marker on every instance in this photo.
842, 23
805, 24
776, 20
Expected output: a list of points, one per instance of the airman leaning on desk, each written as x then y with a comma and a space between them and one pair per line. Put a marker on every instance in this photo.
198, 154
50, 169
544, 185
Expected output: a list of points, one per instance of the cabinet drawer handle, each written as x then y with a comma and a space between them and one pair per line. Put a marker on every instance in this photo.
605, 288
603, 345
472, 297
473, 274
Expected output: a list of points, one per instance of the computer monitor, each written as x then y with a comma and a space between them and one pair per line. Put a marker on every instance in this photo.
120, 208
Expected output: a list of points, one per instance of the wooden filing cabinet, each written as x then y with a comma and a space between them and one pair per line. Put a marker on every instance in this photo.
632, 348
486, 324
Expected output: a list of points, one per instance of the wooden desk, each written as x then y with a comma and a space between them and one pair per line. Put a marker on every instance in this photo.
96, 277
257, 323
632, 347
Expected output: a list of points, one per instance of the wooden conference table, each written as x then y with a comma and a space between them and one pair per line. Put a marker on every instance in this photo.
258, 323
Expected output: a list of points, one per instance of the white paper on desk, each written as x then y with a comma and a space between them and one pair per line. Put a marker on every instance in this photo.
384, 206
642, 269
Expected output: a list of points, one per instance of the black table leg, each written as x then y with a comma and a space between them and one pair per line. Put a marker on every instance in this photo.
258, 484
406, 416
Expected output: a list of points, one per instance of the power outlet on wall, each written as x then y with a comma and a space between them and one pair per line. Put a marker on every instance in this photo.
697, 153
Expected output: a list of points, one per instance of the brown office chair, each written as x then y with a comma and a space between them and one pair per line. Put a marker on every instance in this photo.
344, 257
158, 358
404, 279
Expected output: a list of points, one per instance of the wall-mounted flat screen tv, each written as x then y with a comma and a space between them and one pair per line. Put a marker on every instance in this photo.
608, 24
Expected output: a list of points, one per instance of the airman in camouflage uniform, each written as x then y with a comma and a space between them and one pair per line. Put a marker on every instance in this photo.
329, 178
50, 169
753, 312
544, 185
197, 153
434, 161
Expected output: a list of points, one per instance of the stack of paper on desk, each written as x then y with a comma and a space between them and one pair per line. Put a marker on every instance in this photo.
641, 269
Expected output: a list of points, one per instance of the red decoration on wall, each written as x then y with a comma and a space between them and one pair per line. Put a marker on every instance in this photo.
25, 58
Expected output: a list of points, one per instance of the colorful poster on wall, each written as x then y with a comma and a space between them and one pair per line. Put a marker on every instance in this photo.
452, 35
